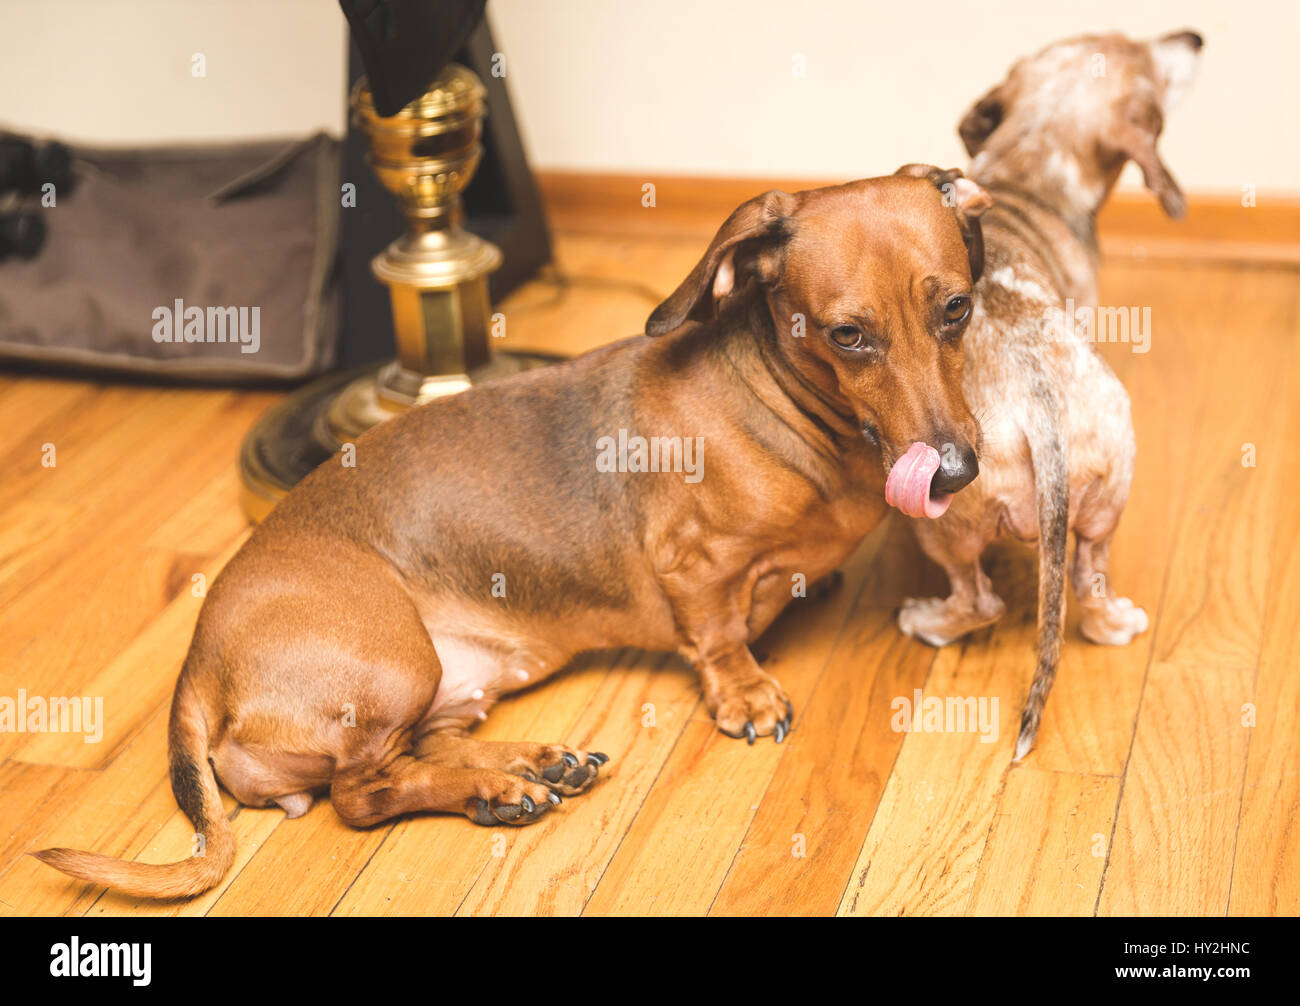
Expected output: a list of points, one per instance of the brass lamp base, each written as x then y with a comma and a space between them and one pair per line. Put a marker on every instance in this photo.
308, 427
436, 274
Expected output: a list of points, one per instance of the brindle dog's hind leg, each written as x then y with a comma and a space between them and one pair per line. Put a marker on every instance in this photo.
1107, 618
971, 604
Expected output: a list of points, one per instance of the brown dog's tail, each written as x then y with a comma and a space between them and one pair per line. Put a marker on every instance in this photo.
1052, 489
195, 786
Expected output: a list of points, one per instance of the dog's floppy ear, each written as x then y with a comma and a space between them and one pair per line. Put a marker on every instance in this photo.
1177, 56
985, 115
968, 201
748, 244
1135, 138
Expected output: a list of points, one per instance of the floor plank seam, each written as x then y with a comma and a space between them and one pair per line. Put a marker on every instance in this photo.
230, 878
850, 610
984, 849
388, 833
1137, 718
686, 721
886, 777
1269, 587
1241, 803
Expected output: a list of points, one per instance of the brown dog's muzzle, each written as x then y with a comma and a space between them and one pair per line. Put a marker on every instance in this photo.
922, 481
957, 470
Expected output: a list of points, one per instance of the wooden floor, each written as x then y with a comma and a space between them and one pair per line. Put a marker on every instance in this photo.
1166, 777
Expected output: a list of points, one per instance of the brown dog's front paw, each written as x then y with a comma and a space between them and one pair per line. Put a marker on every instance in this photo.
510, 800
755, 707
564, 769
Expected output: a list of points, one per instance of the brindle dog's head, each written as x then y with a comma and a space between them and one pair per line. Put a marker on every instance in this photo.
1071, 116
868, 286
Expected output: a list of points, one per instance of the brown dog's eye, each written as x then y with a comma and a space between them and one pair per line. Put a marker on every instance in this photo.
847, 337
956, 310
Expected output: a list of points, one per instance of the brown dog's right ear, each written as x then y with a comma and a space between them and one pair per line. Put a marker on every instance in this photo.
968, 201
984, 116
749, 243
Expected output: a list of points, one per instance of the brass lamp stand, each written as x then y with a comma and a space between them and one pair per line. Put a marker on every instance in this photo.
436, 272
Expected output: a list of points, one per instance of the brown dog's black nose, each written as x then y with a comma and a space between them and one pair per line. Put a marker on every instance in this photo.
957, 469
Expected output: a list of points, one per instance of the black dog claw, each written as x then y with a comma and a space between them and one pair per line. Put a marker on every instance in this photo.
750, 733
570, 760
527, 804
783, 726
554, 798
597, 758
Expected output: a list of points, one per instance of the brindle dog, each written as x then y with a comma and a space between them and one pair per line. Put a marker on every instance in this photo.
1049, 143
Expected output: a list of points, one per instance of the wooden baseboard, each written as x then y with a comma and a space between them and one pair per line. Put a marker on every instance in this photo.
1217, 227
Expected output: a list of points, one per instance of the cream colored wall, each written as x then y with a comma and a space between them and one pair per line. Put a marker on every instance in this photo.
706, 86
681, 86
119, 71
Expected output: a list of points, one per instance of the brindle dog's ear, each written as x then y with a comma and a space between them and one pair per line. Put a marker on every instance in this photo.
1135, 139
984, 116
968, 201
750, 243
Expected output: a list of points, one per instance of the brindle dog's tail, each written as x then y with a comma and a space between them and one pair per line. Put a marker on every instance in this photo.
195, 786
1052, 488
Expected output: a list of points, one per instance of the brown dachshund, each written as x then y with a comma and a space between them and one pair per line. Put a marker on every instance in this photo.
474, 545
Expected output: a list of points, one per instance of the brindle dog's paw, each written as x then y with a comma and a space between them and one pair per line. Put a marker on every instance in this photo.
515, 802
564, 769
939, 622
927, 619
755, 708
1116, 624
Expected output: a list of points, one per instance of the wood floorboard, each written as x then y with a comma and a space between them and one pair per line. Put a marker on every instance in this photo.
1165, 779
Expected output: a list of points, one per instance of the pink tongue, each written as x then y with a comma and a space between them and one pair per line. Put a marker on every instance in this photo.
908, 485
